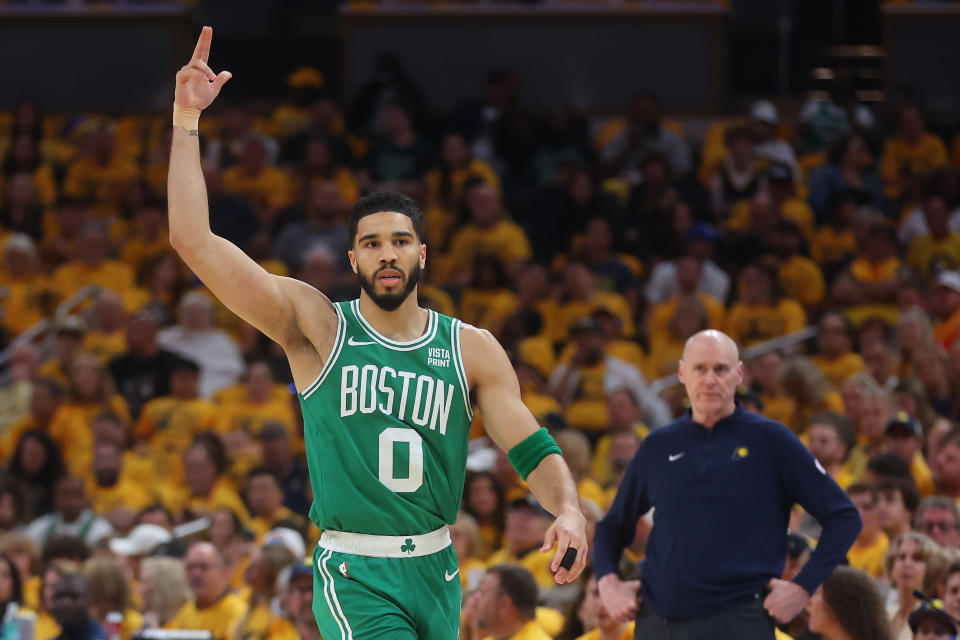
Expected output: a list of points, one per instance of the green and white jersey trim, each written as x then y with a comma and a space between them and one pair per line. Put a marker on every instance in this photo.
384, 341
334, 354
458, 365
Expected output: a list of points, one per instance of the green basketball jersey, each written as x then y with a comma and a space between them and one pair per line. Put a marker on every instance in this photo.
386, 426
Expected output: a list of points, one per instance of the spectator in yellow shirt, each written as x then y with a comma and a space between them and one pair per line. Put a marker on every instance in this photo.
68, 337
903, 435
484, 499
489, 289
912, 154
168, 424
92, 266
100, 174
107, 338
488, 232
205, 487
870, 547
624, 415
800, 277
91, 391
835, 356
260, 401
583, 298
27, 295
114, 493
445, 184
601, 625
214, 608
504, 607
260, 621
689, 271
110, 591
760, 313
319, 166
811, 393
265, 187
834, 243
830, 438
868, 286
940, 248
265, 497
149, 236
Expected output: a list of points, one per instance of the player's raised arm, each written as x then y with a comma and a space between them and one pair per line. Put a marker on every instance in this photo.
265, 301
530, 449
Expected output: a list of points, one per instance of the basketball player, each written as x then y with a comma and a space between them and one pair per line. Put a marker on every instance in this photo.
385, 388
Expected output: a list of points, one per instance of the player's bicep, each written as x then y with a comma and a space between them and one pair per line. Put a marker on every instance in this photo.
505, 418
243, 286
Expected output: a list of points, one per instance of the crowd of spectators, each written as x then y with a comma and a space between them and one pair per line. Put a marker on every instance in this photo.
152, 445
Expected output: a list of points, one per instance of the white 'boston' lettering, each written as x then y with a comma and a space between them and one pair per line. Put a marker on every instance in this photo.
424, 397
407, 377
368, 384
387, 405
441, 407
348, 390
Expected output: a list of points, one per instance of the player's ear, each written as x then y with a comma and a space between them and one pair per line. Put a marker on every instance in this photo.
739, 371
680, 371
423, 255
353, 260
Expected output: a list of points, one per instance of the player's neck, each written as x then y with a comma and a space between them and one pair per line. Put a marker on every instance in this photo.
406, 322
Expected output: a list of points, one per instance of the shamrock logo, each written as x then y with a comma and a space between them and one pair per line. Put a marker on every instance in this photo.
408, 546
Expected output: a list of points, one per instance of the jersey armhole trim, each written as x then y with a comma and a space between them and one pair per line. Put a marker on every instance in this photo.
334, 354
458, 365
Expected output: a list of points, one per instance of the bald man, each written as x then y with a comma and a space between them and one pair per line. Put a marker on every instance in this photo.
722, 481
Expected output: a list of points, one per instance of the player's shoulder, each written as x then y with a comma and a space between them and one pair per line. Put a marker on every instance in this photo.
477, 339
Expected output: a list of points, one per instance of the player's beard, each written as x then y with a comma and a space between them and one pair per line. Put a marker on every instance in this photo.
390, 301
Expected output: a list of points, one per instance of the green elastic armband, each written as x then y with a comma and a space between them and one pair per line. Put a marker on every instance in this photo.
527, 455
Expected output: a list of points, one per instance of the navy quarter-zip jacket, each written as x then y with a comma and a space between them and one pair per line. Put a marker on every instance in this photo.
722, 498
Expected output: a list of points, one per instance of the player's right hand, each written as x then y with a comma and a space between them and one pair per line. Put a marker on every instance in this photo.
618, 597
197, 85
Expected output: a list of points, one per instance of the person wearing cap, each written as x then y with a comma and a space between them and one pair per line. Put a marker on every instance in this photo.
910, 155
903, 435
141, 542
68, 332
581, 384
527, 522
945, 308
214, 607
939, 518
700, 242
939, 248
736, 474
297, 588
932, 622
763, 123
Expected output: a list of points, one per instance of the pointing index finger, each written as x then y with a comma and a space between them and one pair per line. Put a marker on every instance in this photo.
202, 50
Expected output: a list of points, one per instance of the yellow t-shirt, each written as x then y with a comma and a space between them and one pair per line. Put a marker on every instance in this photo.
260, 526
138, 248
924, 157
268, 189
109, 274
220, 619
179, 499
476, 305
533, 561
104, 185
792, 208
262, 624
576, 309
922, 475
127, 493
832, 246
530, 631
169, 424
863, 270
869, 558
26, 303
839, 369
946, 331
601, 469
779, 407
926, 254
68, 430
802, 280
800, 420
749, 324
47, 627
595, 634
105, 346
505, 239
243, 415
662, 314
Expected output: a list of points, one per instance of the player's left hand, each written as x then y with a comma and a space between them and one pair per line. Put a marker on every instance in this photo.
785, 600
568, 530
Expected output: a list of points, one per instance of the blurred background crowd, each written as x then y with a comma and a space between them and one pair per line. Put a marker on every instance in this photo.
151, 443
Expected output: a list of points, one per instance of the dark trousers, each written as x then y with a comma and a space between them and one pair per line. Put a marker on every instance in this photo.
748, 621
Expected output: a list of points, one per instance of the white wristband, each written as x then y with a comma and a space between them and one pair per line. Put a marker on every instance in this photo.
186, 117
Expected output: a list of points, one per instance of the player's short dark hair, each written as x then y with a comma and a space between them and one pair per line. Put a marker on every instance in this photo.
908, 492
519, 585
380, 201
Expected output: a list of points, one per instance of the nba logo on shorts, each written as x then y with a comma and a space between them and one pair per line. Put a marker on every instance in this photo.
343, 569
